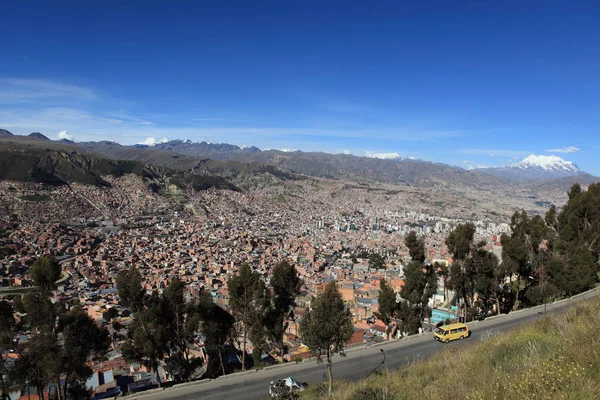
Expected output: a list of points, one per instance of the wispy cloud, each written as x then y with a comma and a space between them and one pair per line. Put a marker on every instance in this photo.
18, 91
569, 149
343, 151
383, 156
470, 166
493, 152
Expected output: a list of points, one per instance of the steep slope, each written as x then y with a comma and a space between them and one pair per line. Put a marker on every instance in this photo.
54, 163
243, 174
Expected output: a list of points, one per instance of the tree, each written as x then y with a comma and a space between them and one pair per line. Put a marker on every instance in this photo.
149, 336
376, 261
387, 302
216, 325
39, 363
247, 300
183, 321
521, 250
40, 312
8, 334
577, 244
83, 340
131, 292
44, 273
327, 327
459, 244
286, 285
416, 247
420, 283
487, 278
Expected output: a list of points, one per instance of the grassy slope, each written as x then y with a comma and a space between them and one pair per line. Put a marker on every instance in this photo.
554, 358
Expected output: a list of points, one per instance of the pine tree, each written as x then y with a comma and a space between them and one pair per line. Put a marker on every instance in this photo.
216, 325
82, 340
327, 327
459, 244
44, 273
247, 299
387, 302
8, 334
420, 284
286, 285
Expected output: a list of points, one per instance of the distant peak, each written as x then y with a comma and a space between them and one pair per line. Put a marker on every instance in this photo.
38, 135
547, 163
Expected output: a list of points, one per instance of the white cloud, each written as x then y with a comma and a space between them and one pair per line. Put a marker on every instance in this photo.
65, 135
151, 141
344, 151
14, 90
569, 149
383, 156
470, 166
286, 150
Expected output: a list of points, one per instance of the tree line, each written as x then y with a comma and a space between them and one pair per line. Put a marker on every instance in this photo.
543, 258
165, 325
63, 339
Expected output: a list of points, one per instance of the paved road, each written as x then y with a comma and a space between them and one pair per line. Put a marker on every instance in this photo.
358, 363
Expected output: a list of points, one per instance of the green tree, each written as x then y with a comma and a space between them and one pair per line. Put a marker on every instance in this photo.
149, 336
420, 284
131, 292
459, 244
39, 364
247, 299
416, 247
387, 302
216, 325
39, 311
44, 273
376, 261
286, 285
183, 320
521, 252
83, 340
487, 278
577, 243
327, 327
8, 334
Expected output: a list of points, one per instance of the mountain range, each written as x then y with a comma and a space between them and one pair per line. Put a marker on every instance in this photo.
250, 166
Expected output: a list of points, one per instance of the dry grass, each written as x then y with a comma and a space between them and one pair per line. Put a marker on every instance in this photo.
554, 358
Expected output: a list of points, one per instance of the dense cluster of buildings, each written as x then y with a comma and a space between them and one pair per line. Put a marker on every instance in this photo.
97, 232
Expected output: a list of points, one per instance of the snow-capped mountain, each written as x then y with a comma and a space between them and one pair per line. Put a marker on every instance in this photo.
536, 167
548, 163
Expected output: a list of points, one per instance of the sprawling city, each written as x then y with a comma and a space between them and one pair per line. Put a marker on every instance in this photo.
145, 257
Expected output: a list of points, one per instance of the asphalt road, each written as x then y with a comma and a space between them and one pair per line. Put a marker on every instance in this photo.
357, 364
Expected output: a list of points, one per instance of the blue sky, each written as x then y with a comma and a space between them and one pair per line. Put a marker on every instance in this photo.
472, 83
